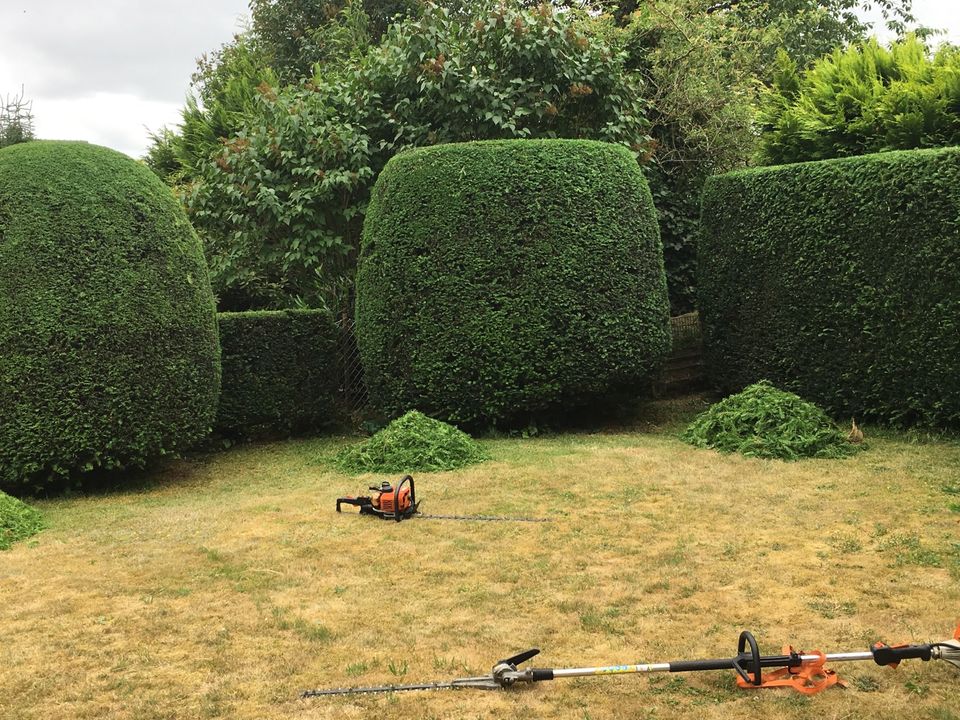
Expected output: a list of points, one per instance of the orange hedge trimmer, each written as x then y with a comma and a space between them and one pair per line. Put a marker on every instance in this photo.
804, 672
399, 502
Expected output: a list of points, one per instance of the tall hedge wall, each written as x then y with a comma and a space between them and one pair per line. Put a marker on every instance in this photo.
839, 280
502, 279
108, 334
280, 373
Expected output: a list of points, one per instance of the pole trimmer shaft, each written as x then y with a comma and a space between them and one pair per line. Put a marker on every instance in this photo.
804, 672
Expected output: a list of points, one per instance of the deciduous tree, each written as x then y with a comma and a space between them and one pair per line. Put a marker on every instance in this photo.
16, 120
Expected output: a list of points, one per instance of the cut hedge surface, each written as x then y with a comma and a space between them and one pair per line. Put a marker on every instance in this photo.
839, 280
108, 336
17, 521
765, 422
500, 280
412, 443
279, 373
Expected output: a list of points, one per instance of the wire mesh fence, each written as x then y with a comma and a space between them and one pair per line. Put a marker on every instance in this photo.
353, 388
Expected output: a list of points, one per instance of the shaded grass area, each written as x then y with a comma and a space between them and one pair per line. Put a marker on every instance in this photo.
229, 584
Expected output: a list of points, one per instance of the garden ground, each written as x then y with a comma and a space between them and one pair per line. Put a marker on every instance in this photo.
226, 584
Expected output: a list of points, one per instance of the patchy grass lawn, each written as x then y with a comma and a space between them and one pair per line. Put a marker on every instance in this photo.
228, 584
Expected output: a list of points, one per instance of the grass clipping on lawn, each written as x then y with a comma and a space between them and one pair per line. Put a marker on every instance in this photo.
17, 520
412, 443
765, 422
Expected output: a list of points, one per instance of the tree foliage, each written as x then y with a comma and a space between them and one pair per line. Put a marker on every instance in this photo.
702, 62
864, 99
805, 29
699, 93
227, 91
293, 36
280, 202
673, 79
504, 72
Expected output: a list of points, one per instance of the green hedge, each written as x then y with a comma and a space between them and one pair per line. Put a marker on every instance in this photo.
279, 373
500, 280
108, 337
839, 280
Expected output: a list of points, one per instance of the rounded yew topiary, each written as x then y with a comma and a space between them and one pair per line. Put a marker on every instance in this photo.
501, 280
108, 338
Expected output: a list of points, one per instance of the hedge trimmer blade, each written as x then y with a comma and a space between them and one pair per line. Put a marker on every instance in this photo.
484, 682
503, 674
482, 518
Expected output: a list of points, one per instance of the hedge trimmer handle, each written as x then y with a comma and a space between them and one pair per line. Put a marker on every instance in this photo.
948, 650
357, 502
754, 677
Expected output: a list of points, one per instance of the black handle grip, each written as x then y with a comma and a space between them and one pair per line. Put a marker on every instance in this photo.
539, 674
520, 657
413, 492
885, 655
405, 480
747, 638
356, 501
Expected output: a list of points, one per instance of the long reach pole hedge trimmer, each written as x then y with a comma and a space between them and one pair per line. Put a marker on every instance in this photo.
399, 502
804, 672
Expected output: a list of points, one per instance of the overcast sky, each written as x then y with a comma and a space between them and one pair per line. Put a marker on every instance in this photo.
106, 71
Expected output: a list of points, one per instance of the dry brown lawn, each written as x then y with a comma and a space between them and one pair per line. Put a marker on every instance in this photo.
227, 584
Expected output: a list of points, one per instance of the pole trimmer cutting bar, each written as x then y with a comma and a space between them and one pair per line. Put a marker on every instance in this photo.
804, 672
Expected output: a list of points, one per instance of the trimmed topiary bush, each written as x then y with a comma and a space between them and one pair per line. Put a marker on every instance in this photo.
839, 280
412, 443
108, 336
500, 280
765, 422
280, 373
17, 521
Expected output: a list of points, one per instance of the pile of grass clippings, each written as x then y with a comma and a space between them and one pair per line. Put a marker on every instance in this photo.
17, 521
765, 422
412, 443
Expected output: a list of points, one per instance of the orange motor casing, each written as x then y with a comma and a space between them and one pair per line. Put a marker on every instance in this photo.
385, 502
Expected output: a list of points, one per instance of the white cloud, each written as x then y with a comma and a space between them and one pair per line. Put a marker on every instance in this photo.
104, 70
119, 121
939, 14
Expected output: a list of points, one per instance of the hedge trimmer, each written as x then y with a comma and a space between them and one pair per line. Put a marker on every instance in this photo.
801, 671
399, 502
